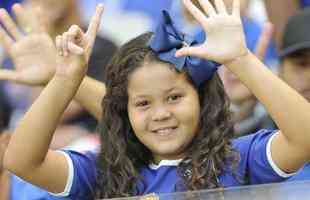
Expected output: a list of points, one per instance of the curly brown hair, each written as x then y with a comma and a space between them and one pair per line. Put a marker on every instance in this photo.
122, 155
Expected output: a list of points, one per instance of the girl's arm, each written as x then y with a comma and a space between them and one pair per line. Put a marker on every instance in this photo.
28, 155
225, 44
290, 149
90, 95
30, 142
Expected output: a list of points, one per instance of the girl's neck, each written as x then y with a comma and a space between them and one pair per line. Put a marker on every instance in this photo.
157, 159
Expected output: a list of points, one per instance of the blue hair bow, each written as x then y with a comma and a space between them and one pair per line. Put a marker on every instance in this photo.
167, 40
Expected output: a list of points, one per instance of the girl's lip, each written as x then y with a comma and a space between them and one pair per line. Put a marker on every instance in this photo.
165, 134
163, 128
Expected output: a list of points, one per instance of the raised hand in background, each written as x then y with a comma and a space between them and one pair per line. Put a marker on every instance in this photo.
29, 46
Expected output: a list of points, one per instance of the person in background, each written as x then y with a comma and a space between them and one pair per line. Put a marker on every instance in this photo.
57, 20
249, 115
279, 12
78, 127
58, 16
295, 63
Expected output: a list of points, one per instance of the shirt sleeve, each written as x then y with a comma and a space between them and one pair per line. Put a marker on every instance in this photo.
81, 176
256, 163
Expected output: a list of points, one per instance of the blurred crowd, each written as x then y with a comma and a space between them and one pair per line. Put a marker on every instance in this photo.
277, 32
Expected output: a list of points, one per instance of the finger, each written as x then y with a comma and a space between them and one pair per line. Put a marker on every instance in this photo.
9, 24
59, 45
8, 75
196, 13
37, 18
207, 7
21, 17
28, 19
94, 25
196, 51
264, 40
75, 34
73, 48
236, 8
220, 6
65, 44
41, 23
5, 39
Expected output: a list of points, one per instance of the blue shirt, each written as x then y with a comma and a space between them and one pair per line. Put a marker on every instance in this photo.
255, 167
302, 175
21, 190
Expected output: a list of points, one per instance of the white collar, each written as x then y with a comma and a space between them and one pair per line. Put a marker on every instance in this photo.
165, 163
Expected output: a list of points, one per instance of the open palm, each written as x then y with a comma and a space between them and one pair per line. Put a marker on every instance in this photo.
225, 38
33, 53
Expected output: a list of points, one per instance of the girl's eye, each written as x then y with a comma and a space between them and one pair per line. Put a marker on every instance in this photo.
142, 104
173, 98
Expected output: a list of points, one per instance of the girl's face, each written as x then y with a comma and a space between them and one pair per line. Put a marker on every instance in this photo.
163, 109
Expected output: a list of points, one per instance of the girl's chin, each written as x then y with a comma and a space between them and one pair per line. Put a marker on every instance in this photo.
167, 153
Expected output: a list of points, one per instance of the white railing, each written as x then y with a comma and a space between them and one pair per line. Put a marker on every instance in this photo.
278, 191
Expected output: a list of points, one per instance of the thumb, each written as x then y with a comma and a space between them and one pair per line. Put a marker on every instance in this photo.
196, 51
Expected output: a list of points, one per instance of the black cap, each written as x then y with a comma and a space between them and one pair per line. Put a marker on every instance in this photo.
296, 35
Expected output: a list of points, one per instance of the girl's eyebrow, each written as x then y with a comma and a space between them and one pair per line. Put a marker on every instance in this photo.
170, 89
165, 92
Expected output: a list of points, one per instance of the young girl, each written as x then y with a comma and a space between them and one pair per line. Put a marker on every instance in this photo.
165, 126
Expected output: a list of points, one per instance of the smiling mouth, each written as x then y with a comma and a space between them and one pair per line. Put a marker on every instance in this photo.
164, 131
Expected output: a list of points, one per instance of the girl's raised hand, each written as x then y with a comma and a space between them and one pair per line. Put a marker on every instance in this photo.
74, 49
29, 46
225, 39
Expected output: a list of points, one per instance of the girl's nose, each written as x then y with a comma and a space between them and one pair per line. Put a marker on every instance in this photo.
160, 114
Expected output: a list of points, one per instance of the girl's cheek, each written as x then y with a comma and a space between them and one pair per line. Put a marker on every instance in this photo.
140, 117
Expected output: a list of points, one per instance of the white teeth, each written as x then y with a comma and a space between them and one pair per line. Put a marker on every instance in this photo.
164, 131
